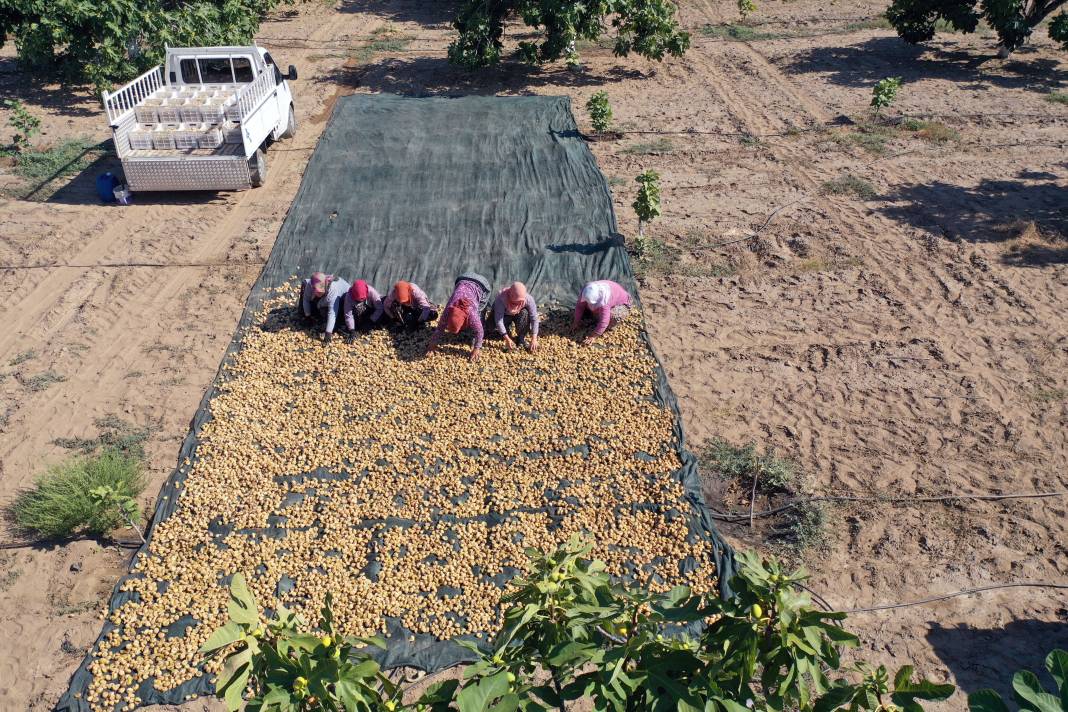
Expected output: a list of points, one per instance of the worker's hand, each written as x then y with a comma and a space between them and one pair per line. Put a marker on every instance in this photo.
474, 354
508, 343
327, 336
533, 347
430, 349
588, 340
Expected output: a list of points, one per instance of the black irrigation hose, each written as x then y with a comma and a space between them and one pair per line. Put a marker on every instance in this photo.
822, 602
965, 592
741, 516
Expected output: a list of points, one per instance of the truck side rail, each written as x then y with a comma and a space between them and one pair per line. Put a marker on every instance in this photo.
119, 103
255, 92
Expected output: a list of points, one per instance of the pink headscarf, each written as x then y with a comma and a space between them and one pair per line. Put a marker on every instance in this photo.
515, 297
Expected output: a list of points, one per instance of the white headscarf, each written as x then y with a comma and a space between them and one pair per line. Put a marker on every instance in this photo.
596, 294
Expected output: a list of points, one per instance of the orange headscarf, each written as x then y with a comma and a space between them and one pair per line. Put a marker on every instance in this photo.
456, 316
403, 291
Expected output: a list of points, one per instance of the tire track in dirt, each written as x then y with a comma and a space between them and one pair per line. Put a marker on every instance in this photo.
99, 325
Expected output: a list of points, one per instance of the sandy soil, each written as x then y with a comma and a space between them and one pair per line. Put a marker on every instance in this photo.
913, 343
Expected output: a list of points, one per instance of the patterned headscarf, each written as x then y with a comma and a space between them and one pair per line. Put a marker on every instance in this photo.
319, 283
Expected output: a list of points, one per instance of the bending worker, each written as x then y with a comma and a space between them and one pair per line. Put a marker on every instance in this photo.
515, 307
362, 307
470, 297
320, 299
604, 301
407, 304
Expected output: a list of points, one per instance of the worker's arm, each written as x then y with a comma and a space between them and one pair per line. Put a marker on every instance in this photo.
474, 319
376, 300
580, 309
306, 298
604, 316
498, 315
346, 309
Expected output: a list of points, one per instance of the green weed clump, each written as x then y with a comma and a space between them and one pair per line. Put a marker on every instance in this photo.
114, 434
871, 137
743, 463
850, 185
932, 131
738, 33
60, 504
41, 382
1057, 97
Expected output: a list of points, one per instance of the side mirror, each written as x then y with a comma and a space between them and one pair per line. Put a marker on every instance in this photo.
292, 73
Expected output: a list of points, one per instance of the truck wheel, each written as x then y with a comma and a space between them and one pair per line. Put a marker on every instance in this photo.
291, 127
257, 168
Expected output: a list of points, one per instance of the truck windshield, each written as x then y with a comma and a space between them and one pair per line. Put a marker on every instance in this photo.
216, 70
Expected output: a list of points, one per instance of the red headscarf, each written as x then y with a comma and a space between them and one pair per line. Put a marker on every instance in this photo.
456, 316
403, 291
358, 291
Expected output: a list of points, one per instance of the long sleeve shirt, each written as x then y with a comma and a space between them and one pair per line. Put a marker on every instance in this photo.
329, 302
374, 300
500, 309
418, 300
307, 298
473, 294
617, 297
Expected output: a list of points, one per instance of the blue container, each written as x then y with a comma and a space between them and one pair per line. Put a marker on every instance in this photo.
105, 187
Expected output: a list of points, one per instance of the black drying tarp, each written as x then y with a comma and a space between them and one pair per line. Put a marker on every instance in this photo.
425, 189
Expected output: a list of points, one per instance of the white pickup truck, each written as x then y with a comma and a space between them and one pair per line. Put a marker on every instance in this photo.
203, 120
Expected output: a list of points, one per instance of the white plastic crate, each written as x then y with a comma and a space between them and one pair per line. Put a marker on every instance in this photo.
148, 111
233, 112
187, 137
171, 111
210, 138
163, 137
190, 114
231, 133
212, 114
141, 137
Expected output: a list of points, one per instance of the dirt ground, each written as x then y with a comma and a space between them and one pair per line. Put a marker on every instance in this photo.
908, 341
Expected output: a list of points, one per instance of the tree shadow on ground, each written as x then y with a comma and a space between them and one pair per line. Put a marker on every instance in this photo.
864, 63
425, 13
38, 92
435, 76
980, 214
981, 658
